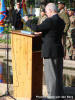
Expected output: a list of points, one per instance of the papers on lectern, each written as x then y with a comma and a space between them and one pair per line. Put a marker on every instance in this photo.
26, 32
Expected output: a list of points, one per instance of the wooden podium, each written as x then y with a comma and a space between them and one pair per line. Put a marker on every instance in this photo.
27, 65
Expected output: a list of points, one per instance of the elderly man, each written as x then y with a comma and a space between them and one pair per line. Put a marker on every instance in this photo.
52, 50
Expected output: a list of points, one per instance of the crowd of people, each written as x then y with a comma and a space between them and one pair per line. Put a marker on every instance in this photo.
68, 15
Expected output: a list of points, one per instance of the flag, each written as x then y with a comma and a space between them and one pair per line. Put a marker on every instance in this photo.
2, 15
1, 71
24, 8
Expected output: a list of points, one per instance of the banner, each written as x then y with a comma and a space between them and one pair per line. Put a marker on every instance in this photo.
2, 15
24, 9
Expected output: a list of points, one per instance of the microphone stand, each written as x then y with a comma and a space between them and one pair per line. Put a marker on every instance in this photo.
7, 67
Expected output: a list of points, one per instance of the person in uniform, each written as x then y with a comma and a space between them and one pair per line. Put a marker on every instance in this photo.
65, 17
70, 33
42, 16
72, 25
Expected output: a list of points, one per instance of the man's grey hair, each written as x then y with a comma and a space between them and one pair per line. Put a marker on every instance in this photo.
52, 7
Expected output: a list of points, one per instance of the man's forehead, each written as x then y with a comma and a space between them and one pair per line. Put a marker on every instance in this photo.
18, 3
60, 4
47, 8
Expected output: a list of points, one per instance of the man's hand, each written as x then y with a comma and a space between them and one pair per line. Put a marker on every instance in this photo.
38, 33
26, 18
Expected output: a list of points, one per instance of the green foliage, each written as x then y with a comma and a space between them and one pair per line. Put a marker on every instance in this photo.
30, 3
7, 3
7, 28
5, 41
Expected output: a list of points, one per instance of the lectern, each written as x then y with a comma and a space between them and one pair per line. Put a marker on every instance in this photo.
27, 65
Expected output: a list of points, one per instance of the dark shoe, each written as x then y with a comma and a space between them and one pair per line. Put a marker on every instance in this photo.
70, 57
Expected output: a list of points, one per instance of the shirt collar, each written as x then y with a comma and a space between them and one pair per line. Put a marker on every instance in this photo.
61, 10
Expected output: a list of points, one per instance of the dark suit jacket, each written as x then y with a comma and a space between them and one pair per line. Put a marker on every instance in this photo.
16, 20
52, 31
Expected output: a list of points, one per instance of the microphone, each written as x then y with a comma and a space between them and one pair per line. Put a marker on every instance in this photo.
29, 15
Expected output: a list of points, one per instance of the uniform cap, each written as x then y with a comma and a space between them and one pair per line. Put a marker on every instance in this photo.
61, 2
71, 9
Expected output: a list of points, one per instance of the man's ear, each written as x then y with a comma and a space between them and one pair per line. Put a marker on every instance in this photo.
63, 6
